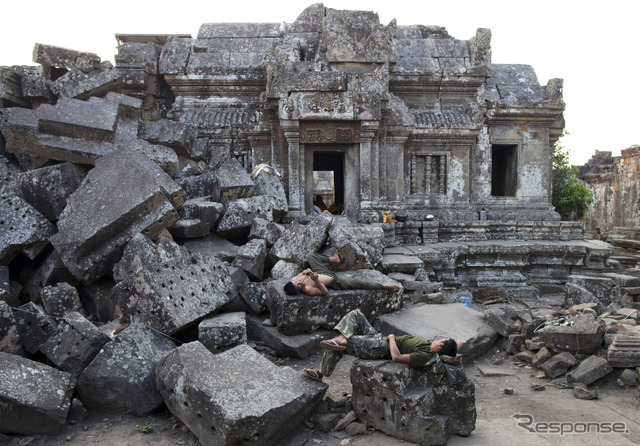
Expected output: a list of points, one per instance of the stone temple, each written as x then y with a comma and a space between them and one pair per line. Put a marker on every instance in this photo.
404, 119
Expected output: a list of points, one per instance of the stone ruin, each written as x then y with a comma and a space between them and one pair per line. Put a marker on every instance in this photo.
150, 213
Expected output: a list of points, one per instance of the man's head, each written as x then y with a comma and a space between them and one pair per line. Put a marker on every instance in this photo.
292, 288
318, 197
447, 347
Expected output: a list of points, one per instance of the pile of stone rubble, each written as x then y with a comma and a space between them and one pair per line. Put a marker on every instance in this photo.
597, 334
134, 266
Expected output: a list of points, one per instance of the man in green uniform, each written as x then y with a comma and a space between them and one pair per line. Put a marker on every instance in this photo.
358, 338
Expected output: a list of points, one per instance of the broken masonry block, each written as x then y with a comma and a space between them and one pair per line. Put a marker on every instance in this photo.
11, 89
233, 182
53, 56
9, 336
47, 188
122, 376
251, 259
34, 326
223, 330
22, 228
163, 156
269, 231
34, 398
285, 270
176, 135
75, 344
254, 294
79, 85
174, 56
296, 346
403, 403
60, 299
304, 314
558, 364
138, 56
360, 246
584, 335
200, 185
197, 217
124, 194
268, 182
601, 289
5, 283
177, 293
238, 214
237, 396
501, 321
624, 351
298, 241
590, 370
34, 86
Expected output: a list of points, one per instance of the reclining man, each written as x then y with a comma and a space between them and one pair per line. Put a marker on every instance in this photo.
316, 280
358, 338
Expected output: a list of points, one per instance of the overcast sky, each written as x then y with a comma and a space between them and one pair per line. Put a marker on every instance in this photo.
593, 48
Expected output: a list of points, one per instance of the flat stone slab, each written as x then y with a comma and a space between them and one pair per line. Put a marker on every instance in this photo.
301, 313
490, 371
295, 346
235, 397
439, 321
400, 263
34, 398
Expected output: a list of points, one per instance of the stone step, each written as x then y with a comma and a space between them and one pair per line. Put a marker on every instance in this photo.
400, 263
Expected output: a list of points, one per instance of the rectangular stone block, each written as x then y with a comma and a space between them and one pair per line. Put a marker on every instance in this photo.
583, 336
624, 351
177, 293
304, 314
590, 370
34, 326
296, 346
125, 193
11, 89
223, 330
403, 403
53, 56
84, 85
179, 136
235, 397
34, 398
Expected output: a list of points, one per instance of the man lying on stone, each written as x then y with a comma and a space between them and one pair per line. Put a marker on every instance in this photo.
358, 338
316, 280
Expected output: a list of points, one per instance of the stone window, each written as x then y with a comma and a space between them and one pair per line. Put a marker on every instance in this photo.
428, 174
504, 169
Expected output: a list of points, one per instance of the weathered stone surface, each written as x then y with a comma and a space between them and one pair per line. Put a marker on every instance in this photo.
584, 336
60, 299
285, 270
581, 392
22, 228
125, 193
179, 136
177, 293
34, 397
238, 214
251, 259
624, 351
163, 156
601, 290
268, 182
301, 313
197, 217
500, 320
47, 188
11, 89
433, 322
223, 330
360, 246
122, 377
76, 342
298, 241
629, 377
558, 364
233, 182
53, 56
213, 246
9, 337
590, 370
237, 396
174, 56
295, 346
254, 294
34, 326
539, 358
199, 184
142, 55
84, 85
401, 402
269, 231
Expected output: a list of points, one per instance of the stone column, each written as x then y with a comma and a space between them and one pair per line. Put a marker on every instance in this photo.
368, 162
291, 131
394, 158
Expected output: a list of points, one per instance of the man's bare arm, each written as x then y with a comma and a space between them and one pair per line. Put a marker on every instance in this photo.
395, 353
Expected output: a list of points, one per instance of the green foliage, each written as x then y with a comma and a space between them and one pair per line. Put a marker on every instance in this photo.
570, 197
145, 428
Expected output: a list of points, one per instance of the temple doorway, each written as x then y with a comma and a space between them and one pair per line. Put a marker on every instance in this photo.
328, 179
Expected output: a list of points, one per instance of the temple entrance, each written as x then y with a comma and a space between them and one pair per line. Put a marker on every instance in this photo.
328, 180
504, 170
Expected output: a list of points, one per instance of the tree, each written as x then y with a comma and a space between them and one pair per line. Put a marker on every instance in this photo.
570, 197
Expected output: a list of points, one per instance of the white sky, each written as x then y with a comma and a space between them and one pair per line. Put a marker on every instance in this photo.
593, 48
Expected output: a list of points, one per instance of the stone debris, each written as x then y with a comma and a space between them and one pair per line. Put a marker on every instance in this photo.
590, 370
235, 396
293, 346
298, 241
59, 299
9, 337
223, 331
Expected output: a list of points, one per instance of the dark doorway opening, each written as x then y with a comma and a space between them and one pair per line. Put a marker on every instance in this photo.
328, 179
504, 168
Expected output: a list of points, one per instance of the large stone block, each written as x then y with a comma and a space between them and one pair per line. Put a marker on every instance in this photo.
269, 231
9, 337
269, 183
47, 188
197, 217
11, 89
75, 344
235, 397
296, 346
34, 398
223, 330
177, 293
254, 294
442, 321
624, 351
584, 335
179, 136
54, 56
122, 377
301, 313
238, 214
599, 289
84, 85
558, 364
360, 246
174, 56
590, 370
60, 299
22, 228
251, 259
163, 156
125, 193
298, 241
34, 326
233, 182
401, 402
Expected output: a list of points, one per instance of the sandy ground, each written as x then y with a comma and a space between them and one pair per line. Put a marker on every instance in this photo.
495, 423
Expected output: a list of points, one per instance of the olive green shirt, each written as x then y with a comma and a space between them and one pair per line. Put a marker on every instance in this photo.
418, 349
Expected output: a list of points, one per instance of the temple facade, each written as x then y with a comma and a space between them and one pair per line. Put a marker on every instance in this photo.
404, 119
